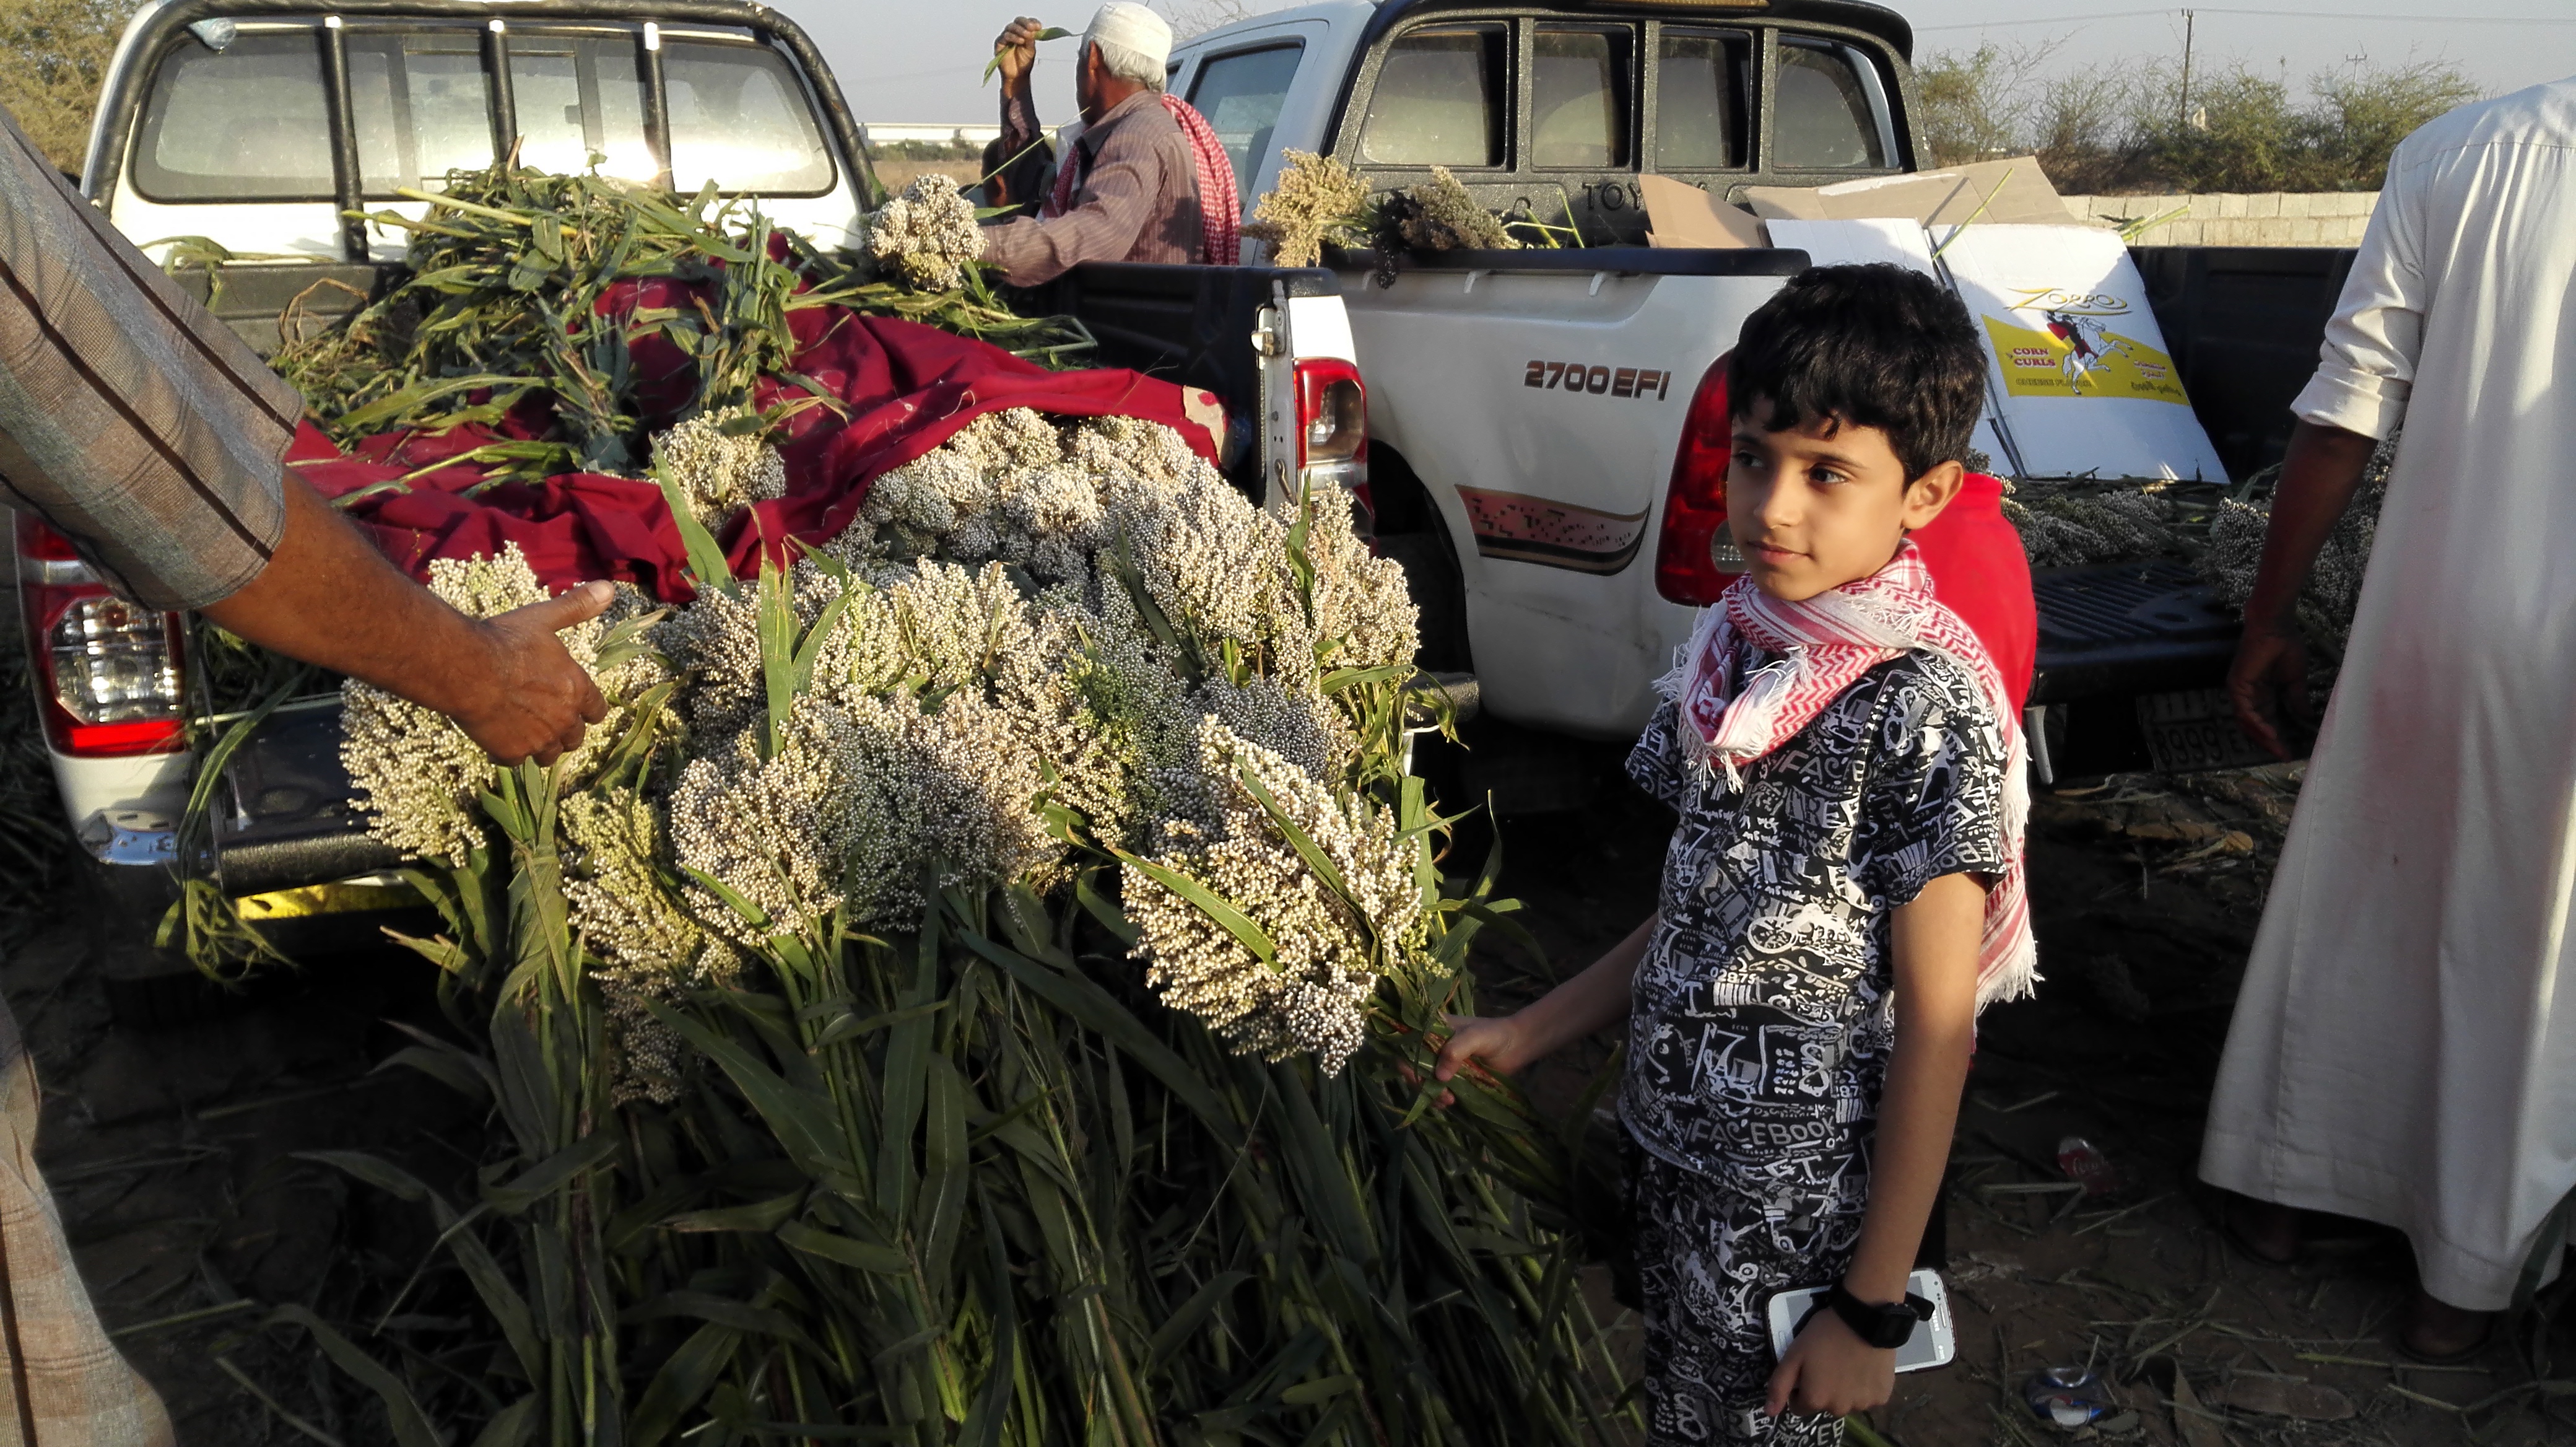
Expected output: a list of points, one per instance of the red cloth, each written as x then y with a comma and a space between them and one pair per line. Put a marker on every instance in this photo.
901, 389
1980, 573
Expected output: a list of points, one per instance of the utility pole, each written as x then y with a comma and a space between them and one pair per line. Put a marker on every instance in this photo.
2182, 107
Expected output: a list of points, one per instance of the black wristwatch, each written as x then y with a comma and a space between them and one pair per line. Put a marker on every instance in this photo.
1885, 1327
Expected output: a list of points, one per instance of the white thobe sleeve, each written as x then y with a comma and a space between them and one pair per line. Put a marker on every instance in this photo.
2367, 366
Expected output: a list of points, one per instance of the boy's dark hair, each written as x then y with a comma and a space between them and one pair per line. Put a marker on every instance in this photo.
1875, 346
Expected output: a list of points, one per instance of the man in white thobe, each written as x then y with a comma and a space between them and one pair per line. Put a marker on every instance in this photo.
2397, 1053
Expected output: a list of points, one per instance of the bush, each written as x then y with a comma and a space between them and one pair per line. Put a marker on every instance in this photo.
2105, 130
956, 148
53, 55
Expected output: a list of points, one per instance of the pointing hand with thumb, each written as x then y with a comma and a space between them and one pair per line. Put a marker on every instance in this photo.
534, 701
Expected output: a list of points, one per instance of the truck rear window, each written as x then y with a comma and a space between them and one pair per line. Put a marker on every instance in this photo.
423, 108
1240, 94
247, 124
1579, 98
575, 97
1822, 118
739, 118
252, 122
1438, 100
1700, 90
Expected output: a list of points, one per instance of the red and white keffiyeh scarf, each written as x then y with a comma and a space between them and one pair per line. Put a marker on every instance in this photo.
1735, 709
1220, 207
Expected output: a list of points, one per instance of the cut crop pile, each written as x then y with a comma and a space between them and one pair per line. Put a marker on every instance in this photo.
503, 306
976, 984
1319, 202
2218, 530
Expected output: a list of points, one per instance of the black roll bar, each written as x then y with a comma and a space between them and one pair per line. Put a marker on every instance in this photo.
505, 101
346, 184
657, 110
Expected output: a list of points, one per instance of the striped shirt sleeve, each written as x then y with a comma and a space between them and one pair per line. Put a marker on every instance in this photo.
130, 418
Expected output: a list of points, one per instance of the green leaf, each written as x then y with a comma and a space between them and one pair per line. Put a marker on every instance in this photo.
1210, 903
453, 1068
682, 1380
1306, 1394
941, 1208
542, 1179
815, 637
1184, 1323
752, 914
1309, 851
514, 1426
1052, 32
410, 1425
1105, 910
802, 1123
708, 571
883, 1260
777, 655
762, 1216
500, 1296
1086, 1002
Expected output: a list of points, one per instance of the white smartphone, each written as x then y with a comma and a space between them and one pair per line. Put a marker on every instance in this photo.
1932, 1345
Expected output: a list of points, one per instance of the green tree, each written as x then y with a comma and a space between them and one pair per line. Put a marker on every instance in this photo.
2360, 117
53, 55
2240, 133
1969, 111
2132, 129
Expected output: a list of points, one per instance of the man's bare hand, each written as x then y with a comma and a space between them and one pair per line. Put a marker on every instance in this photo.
2268, 683
1017, 49
534, 701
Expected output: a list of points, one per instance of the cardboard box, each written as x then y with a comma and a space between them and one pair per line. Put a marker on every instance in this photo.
2011, 192
1682, 215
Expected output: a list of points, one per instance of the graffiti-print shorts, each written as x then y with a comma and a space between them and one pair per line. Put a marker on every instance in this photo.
1709, 1260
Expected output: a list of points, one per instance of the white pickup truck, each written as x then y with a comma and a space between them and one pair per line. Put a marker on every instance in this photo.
261, 125
1528, 409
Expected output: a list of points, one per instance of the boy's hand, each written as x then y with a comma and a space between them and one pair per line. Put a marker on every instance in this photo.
1828, 1370
1502, 1044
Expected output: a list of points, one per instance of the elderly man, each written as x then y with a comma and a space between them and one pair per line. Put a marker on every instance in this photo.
1145, 180
141, 428
2398, 1053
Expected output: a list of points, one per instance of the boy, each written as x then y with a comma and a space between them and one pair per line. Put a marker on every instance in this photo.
1843, 889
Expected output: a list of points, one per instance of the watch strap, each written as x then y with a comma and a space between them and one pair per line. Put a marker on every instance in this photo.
1886, 1327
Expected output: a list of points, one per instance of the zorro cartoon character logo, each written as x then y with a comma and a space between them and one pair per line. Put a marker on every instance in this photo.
2089, 344
2073, 352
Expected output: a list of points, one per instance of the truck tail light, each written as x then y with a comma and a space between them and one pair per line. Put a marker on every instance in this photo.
1695, 556
107, 672
1332, 429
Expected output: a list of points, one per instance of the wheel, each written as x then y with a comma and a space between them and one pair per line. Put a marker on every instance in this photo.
1439, 595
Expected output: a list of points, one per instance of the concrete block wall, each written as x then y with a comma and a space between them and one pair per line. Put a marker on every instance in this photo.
2321, 218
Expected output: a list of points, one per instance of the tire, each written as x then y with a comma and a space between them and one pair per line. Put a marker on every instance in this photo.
1439, 595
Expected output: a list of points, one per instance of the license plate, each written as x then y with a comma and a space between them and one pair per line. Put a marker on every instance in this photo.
2195, 730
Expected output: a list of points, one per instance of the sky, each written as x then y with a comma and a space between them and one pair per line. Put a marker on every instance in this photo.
918, 60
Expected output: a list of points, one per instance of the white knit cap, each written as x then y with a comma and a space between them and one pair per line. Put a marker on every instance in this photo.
1132, 27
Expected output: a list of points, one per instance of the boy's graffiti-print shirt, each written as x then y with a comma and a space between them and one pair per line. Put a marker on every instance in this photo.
1761, 1019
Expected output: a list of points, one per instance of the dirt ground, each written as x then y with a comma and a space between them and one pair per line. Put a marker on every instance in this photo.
183, 1157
